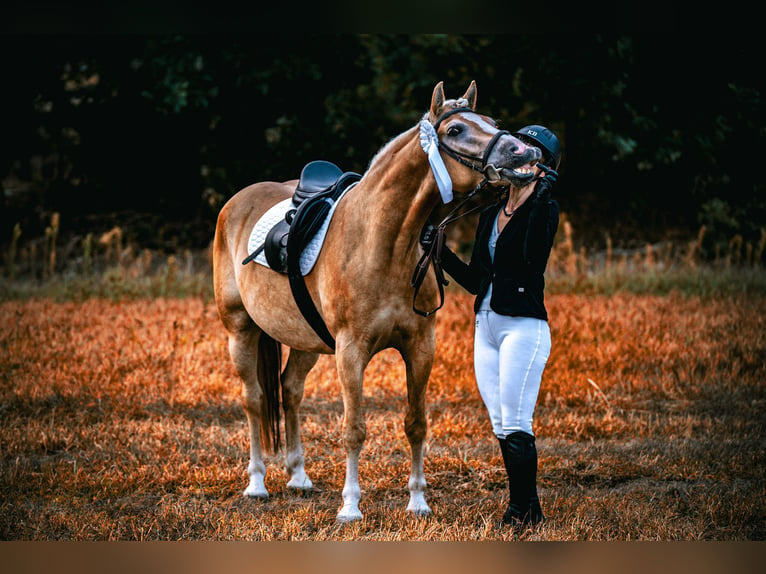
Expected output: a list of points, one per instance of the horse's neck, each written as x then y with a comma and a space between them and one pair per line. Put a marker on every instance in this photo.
399, 194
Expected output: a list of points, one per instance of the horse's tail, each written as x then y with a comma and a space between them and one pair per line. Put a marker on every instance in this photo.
269, 370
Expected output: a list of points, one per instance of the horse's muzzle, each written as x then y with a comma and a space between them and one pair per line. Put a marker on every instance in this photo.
513, 164
515, 177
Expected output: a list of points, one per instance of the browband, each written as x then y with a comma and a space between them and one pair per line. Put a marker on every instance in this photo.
449, 113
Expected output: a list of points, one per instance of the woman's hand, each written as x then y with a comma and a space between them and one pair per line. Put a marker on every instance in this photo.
545, 183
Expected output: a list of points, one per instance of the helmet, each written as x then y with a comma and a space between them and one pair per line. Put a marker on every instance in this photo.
545, 139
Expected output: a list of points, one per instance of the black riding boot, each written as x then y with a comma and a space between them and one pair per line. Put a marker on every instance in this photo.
520, 458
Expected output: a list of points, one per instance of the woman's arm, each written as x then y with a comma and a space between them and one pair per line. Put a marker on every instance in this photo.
466, 274
543, 223
538, 242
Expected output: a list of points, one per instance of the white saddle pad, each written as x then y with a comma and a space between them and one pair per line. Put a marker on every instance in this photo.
274, 215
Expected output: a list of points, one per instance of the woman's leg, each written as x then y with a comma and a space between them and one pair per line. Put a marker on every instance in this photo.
486, 369
524, 350
525, 345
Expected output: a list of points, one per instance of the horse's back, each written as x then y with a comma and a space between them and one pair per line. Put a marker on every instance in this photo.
251, 202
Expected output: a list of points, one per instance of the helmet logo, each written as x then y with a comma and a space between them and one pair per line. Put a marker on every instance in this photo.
532, 132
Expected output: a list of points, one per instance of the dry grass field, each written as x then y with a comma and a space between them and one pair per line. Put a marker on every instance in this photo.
120, 420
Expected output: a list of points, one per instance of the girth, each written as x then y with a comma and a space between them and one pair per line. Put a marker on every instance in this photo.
320, 185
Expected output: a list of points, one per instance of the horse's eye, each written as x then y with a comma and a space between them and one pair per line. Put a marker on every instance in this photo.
453, 131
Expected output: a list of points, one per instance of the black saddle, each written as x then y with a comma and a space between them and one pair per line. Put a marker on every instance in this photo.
316, 177
319, 179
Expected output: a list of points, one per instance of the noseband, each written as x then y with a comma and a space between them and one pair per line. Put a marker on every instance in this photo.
475, 163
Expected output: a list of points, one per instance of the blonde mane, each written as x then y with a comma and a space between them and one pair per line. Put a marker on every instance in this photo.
392, 146
398, 142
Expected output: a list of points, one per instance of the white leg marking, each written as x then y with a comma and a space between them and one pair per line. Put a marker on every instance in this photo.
417, 486
256, 488
294, 467
299, 480
350, 512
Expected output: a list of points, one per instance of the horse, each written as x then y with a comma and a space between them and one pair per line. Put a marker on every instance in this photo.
361, 286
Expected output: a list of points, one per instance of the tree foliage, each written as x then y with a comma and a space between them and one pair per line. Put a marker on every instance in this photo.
659, 134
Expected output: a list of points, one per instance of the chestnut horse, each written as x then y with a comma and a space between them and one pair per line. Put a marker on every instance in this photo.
360, 284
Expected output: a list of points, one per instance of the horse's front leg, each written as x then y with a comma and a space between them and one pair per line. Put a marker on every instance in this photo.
351, 363
419, 360
293, 382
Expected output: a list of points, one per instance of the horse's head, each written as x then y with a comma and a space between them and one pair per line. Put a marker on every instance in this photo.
479, 149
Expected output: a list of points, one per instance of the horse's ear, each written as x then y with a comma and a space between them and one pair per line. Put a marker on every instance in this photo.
470, 95
437, 100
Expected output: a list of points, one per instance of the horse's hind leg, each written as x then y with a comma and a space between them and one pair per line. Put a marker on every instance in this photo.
293, 380
243, 349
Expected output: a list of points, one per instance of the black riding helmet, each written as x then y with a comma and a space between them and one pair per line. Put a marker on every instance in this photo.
545, 139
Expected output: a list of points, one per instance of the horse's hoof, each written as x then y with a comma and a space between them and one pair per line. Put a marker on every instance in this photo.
347, 515
419, 507
303, 483
253, 493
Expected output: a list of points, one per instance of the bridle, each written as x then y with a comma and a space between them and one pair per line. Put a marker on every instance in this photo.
433, 255
466, 159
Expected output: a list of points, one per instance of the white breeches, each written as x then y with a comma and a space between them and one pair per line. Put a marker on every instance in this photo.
510, 354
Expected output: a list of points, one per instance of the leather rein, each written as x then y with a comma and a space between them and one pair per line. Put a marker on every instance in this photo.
433, 255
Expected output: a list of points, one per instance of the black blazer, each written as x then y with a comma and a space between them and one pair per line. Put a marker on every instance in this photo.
521, 255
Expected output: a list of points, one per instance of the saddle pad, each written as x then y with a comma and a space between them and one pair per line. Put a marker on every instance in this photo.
264, 225
274, 215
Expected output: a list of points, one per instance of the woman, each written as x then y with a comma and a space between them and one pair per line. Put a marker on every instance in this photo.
512, 339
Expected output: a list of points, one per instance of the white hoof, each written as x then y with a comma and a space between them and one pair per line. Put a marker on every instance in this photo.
300, 481
349, 513
254, 491
418, 506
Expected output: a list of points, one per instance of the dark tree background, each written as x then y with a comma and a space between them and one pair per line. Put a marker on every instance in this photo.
662, 132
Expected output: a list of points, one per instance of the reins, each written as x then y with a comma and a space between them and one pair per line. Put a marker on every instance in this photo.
433, 255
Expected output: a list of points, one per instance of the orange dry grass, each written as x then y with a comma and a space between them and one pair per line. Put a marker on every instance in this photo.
121, 421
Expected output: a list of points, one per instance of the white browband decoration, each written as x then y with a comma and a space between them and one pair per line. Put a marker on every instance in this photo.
429, 141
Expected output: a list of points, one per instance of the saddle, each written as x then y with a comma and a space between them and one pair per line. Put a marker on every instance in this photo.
320, 185
319, 180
